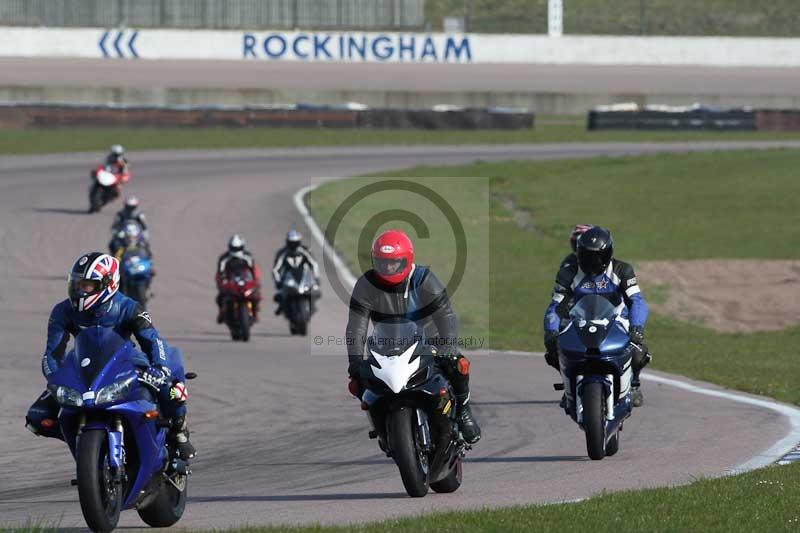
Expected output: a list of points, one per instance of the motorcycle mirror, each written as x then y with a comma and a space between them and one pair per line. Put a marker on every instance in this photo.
191, 375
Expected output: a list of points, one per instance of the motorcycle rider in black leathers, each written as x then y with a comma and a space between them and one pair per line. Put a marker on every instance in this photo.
129, 211
293, 254
396, 287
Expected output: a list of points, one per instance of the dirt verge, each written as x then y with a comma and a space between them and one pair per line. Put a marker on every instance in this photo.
727, 295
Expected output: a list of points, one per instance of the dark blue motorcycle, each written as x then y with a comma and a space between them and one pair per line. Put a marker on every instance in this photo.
595, 356
137, 273
112, 425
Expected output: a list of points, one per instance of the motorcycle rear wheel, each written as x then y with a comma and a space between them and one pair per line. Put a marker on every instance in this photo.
99, 495
452, 482
612, 446
594, 422
403, 443
95, 199
167, 507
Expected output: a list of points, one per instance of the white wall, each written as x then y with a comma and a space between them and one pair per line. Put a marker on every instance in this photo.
405, 47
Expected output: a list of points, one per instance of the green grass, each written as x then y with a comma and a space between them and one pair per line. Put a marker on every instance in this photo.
33, 141
764, 500
778, 18
689, 206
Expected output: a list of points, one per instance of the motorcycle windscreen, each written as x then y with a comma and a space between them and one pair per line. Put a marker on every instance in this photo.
94, 348
242, 276
395, 337
593, 307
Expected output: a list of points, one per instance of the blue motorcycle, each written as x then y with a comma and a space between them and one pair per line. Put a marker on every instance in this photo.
595, 355
136, 274
113, 427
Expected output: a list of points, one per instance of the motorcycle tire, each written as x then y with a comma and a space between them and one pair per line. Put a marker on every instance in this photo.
403, 443
452, 482
167, 507
100, 505
612, 446
244, 323
594, 422
95, 199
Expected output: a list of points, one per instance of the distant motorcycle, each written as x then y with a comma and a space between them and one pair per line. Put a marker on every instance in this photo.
299, 292
106, 186
117, 435
137, 273
595, 355
412, 409
238, 291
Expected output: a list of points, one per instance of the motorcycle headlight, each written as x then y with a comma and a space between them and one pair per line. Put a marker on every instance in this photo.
418, 378
114, 392
67, 396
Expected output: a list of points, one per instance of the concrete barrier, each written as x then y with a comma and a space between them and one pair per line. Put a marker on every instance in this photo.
128, 44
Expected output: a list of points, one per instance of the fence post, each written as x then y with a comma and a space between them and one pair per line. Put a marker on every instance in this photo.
555, 18
643, 17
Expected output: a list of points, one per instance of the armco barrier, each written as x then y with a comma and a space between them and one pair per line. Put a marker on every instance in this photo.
695, 119
24, 115
778, 120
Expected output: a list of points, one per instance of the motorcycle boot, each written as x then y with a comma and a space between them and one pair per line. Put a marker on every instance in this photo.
466, 420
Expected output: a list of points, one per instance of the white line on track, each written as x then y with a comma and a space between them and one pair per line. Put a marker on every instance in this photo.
783, 451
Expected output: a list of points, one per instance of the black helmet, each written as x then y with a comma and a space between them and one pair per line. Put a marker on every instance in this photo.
595, 248
293, 239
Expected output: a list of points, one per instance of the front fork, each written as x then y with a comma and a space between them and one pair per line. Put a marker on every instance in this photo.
608, 386
115, 433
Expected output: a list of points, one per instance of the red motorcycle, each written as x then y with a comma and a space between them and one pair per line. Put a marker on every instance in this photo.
239, 294
107, 181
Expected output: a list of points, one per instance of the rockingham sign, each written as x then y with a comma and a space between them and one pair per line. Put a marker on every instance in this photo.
379, 47
125, 44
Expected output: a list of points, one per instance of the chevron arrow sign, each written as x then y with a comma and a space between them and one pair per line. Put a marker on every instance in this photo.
119, 43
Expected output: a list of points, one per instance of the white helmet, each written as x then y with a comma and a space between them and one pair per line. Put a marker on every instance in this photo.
117, 149
236, 244
131, 202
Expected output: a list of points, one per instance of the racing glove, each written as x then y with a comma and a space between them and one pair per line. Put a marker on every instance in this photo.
551, 348
154, 377
636, 334
355, 386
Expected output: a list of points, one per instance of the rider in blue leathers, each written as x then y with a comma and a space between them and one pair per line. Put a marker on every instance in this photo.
94, 300
594, 270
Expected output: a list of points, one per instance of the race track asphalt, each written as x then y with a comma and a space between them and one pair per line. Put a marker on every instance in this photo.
279, 438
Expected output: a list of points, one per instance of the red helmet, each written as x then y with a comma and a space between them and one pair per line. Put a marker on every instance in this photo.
577, 231
392, 256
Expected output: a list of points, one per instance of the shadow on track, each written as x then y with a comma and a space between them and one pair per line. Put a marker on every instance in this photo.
518, 402
537, 459
59, 210
300, 497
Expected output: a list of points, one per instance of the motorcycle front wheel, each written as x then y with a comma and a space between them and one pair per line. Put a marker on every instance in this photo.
99, 494
411, 461
594, 420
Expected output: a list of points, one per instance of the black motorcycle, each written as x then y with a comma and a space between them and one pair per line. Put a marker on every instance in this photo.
412, 409
298, 294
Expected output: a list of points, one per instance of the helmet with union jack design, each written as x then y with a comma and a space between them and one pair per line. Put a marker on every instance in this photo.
93, 280
392, 256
